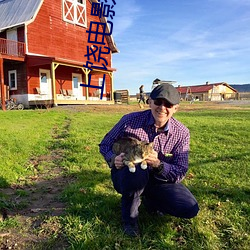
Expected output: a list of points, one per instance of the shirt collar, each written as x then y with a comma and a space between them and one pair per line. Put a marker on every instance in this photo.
167, 126
151, 122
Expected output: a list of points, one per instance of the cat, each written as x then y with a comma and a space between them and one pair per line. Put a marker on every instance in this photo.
135, 151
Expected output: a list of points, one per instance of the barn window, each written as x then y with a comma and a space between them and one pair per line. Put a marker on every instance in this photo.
43, 77
74, 11
12, 80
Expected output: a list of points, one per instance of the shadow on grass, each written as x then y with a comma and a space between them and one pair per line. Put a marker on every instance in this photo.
216, 193
3, 182
221, 187
227, 210
214, 159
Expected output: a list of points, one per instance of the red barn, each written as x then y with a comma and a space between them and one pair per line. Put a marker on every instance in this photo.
43, 52
208, 92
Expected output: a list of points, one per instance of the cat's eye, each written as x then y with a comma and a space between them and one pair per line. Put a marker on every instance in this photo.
159, 102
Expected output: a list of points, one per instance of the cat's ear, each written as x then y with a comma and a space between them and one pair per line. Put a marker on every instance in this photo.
151, 144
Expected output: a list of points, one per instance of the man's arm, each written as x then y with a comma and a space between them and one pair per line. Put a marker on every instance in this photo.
106, 144
176, 169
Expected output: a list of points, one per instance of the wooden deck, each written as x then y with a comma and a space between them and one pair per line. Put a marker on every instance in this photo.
50, 103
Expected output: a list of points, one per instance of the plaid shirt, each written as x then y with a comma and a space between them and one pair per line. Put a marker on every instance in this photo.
172, 145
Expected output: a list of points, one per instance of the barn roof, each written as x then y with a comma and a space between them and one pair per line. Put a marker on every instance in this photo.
17, 12
201, 88
110, 38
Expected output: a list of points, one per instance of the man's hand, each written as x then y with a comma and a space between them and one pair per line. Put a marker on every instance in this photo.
119, 161
153, 160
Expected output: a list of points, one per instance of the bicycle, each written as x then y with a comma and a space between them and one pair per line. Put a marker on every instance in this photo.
12, 104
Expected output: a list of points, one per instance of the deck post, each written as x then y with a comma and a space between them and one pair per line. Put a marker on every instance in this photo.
53, 78
86, 72
112, 86
2, 84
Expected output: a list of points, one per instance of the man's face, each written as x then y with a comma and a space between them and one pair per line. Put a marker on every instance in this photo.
162, 110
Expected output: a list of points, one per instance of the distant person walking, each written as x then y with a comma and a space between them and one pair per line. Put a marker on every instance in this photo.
142, 98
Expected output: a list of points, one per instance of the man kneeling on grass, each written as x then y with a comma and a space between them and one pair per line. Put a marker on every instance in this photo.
160, 184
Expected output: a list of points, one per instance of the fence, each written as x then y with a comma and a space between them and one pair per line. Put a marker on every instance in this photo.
244, 96
217, 96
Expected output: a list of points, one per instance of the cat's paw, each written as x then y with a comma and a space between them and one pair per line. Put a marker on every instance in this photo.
132, 170
144, 166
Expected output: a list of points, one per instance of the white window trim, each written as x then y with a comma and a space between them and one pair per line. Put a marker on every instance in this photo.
74, 19
9, 73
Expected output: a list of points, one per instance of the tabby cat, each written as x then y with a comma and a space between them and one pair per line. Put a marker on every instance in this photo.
135, 151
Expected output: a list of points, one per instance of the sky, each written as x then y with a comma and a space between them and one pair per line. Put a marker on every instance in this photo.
187, 41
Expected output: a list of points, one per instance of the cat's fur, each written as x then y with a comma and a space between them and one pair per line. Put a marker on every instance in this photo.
135, 151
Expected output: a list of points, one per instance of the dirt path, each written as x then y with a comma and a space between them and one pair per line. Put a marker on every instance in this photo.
34, 203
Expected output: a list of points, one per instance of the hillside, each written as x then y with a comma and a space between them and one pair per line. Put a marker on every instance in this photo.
241, 87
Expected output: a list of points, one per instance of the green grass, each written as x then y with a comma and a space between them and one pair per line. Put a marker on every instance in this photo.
218, 176
24, 135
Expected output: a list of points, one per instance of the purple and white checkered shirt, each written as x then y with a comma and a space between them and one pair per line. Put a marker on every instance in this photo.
172, 145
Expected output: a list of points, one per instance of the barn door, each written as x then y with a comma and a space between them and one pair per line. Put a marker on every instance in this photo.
76, 81
45, 84
12, 48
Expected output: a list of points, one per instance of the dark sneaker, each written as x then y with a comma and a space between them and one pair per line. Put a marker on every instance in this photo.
131, 230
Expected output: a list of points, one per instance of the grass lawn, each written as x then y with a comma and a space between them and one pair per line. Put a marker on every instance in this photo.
218, 176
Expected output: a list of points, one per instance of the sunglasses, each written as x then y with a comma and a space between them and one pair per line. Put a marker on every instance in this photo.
159, 102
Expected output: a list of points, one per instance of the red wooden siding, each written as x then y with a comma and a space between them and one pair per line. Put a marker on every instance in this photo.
49, 35
63, 76
21, 77
20, 34
33, 78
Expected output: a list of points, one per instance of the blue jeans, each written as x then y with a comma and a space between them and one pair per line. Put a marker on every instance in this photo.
168, 198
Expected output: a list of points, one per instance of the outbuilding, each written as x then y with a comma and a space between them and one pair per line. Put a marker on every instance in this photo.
208, 92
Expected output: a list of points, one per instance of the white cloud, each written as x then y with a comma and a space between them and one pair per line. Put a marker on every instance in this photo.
126, 12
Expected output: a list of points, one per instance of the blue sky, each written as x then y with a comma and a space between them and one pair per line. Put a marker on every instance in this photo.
188, 41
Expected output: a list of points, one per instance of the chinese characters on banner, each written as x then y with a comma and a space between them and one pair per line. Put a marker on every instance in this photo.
96, 34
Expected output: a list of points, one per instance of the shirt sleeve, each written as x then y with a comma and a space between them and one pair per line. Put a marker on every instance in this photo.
174, 171
106, 144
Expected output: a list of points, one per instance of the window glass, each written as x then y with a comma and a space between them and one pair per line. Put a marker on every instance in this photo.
75, 82
44, 77
12, 80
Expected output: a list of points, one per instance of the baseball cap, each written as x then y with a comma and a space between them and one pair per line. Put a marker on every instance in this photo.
166, 91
